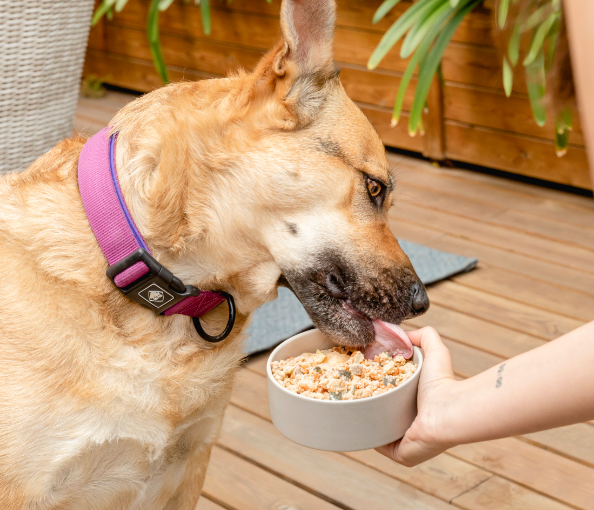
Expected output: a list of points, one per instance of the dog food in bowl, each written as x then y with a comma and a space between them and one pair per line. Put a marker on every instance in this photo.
341, 374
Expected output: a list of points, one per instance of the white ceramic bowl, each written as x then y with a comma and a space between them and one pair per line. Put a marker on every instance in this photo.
340, 426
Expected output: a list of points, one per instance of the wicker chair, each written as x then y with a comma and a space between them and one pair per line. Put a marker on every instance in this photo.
42, 48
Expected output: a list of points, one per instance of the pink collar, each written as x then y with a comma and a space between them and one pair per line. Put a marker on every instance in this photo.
132, 268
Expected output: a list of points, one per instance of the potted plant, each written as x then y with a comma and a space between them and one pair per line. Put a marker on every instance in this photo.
43, 48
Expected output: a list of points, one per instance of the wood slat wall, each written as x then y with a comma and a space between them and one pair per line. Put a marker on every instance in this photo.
468, 119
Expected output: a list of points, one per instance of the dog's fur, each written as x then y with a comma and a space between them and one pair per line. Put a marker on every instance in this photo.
238, 184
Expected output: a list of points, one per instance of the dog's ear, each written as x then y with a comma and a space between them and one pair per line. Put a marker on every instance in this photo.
308, 31
303, 61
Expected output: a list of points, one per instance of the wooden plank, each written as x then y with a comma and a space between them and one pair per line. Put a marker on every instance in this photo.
473, 64
478, 333
396, 136
535, 468
513, 315
475, 28
490, 108
489, 211
575, 442
515, 153
207, 504
443, 476
497, 493
517, 287
433, 139
519, 242
241, 485
134, 74
377, 88
548, 228
468, 361
204, 55
513, 262
324, 473
250, 392
556, 205
477, 65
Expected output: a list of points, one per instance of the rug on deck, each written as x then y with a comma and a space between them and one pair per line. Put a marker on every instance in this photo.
284, 317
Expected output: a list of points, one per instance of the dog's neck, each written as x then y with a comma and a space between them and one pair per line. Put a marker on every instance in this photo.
176, 170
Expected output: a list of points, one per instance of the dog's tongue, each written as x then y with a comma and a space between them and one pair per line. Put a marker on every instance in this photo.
389, 338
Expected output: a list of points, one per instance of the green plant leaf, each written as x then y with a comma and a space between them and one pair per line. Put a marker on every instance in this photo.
502, 13
539, 16
538, 38
164, 4
508, 77
205, 11
561, 142
419, 31
513, 47
431, 62
383, 9
103, 9
413, 14
551, 39
535, 81
454, 3
418, 56
120, 4
152, 32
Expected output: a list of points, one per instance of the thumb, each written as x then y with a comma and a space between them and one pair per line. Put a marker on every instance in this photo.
438, 360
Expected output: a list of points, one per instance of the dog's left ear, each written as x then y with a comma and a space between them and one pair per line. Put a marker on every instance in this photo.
304, 56
308, 31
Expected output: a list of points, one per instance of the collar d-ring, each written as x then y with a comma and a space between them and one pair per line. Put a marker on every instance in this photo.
228, 327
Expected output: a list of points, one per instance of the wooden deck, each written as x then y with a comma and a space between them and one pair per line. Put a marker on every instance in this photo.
535, 281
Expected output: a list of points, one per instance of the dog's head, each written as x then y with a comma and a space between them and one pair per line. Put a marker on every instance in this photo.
332, 241
288, 184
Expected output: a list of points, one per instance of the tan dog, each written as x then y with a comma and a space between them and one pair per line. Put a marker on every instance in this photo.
239, 184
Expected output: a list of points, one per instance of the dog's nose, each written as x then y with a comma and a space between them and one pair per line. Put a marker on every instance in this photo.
420, 300
335, 284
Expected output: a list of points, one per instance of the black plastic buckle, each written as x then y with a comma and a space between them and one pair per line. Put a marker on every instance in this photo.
158, 290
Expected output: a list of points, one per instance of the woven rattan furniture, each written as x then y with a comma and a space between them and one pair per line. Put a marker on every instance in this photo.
42, 48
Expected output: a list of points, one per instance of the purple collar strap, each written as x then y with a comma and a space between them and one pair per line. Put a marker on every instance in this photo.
132, 268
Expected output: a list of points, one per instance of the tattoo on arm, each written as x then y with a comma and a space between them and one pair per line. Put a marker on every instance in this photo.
500, 375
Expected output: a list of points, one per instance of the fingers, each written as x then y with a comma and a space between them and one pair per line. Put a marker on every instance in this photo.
409, 453
389, 450
403, 452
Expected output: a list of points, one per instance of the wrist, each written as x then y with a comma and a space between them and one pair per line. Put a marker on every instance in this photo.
439, 422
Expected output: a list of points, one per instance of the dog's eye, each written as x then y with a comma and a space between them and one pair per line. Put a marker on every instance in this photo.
374, 187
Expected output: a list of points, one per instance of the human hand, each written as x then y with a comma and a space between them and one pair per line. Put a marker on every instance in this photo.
425, 438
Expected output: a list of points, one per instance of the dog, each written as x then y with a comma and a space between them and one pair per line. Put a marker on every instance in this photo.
242, 184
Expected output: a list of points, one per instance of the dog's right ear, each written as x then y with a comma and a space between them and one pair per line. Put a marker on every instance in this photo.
301, 64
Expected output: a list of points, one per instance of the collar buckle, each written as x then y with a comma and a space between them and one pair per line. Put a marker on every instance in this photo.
158, 289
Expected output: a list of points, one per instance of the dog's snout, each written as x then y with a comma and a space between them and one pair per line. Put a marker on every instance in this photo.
419, 298
335, 284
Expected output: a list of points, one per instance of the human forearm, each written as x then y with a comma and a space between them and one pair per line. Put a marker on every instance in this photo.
545, 388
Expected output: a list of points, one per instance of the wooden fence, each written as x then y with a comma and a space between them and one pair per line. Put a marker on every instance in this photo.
469, 118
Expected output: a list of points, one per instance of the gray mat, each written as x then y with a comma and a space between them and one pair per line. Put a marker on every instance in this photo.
284, 317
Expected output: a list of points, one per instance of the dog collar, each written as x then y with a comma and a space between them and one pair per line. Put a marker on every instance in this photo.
132, 268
